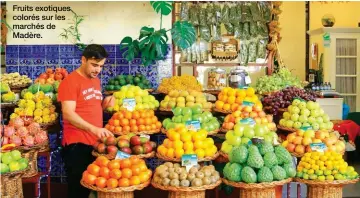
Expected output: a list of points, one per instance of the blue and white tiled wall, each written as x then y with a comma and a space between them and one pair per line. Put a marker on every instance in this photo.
32, 60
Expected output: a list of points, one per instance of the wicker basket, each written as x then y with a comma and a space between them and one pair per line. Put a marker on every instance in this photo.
8, 105
11, 184
112, 156
224, 155
121, 192
48, 125
287, 129
222, 111
205, 159
140, 133
257, 190
186, 192
325, 189
31, 155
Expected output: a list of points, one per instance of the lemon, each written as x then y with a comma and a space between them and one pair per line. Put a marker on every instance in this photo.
200, 153
315, 167
330, 178
199, 144
179, 153
170, 153
312, 162
350, 169
189, 151
311, 171
307, 154
178, 144
323, 158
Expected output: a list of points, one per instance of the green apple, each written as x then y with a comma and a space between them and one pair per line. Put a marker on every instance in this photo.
310, 105
4, 168
186, 118
286, 115
259, 130
6, 158
229, 135
297, 125
289, 123
249, 132
226, 147
239, 129
177, 111
24, 162
295, 117
14, 166
235, 141
186, 111
305, 112
16, 155
303, 118
245, 140
196, 109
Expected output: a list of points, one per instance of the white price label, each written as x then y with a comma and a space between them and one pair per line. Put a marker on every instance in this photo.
129, 104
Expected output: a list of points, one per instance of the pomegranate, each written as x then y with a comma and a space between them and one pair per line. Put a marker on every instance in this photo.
15, 140
22, 132
18, 122
41, 137
9, 131
28, 141
34, 128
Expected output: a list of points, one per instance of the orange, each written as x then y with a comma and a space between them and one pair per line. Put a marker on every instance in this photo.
118, 129
142, 167
239, 100
250, 91
107, 126
124, 182
224, 98
151, 112
125, 163
231, 99
89, 179
196, 137
112, 183
100, 182
126, 129
149, 173
170, 153
162, 150
142, 128
154, 119
114, 164
128, 115
226, 107
135, 115
140, 121
148, 121
120, 116
126, 173
116, 123
102, 161
135, 169
115, 116
134, 128
135, 180
158, 125
142, 114
112, 128
168, 143
219, 104
231, 92
241, 93
147, 128
234, 107
124, 122
143, 177
188, 145
93, 169
111, 122
198, 144
179, 153
185, 137
174, 136
104, 172
132, 122
153, 127
135, 160
115, 173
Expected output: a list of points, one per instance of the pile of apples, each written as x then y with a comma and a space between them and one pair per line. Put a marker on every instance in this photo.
299, 142
229, 98
255, 112
50, 76
244, 131
110, 174
126, 121
181, 141
131, 144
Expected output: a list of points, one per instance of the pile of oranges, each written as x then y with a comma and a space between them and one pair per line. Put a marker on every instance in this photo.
125, 121
229, 98
181, 141
110, 174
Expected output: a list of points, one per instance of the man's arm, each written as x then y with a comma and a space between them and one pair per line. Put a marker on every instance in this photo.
68, 110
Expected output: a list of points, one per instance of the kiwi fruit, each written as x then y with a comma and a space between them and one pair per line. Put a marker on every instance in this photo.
191, 176
182, 176
199, 175
196, 182
165, 181
193, 170
169, 164
173, 175
178, 170
157, 179
213, 179
164, 175
215, 173
176, 165
171, 170
207, 173
174, 182
185, 183
206, 181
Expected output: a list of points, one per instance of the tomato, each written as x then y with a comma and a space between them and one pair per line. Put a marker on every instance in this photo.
125, 163
158, 125
134, 128
102, 161
134, 180
128, 115
114, 164
100, 182
132, 122
135, 115
90, 179
104, 172
124, 182
143, 176
115, 173
118, 129
124, 122
135, 160
126, 129
93, 169
126, 173
116, 123
141, 128
154, 119
135, 169
112, 183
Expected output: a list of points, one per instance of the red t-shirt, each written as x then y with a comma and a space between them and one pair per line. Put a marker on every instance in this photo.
87, 94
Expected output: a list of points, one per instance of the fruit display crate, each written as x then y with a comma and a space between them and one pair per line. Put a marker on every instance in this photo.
326, 189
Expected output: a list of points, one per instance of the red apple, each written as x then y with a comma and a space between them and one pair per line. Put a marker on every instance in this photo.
96, 145
320, 135
257, 108
300, 133
147, 147
153, 145
112, 149
101, 148
247, 109
58, 70
135, 140
110, 141
138, 150
122, 143
126, 150
262, 114
308, 149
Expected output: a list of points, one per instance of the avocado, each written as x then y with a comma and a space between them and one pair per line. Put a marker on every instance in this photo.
137, 80
119, 77
129, 77
116, 82
111, 82
117, 87
111, 87
122, 82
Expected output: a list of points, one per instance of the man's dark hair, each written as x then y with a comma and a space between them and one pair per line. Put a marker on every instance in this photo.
95, 51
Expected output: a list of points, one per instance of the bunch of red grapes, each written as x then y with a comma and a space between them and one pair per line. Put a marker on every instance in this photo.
283, 98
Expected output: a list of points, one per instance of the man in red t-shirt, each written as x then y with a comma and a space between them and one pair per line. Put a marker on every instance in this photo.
81, 100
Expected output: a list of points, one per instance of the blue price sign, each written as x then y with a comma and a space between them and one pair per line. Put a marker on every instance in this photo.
129, 104
193, 125
121, 155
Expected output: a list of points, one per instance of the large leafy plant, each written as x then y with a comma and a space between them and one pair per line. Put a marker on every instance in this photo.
151, 44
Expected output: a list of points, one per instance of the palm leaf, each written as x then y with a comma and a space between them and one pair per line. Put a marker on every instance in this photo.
164, 7
183, 34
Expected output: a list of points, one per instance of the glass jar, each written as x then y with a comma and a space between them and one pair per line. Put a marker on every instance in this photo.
216, 79
238, 77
